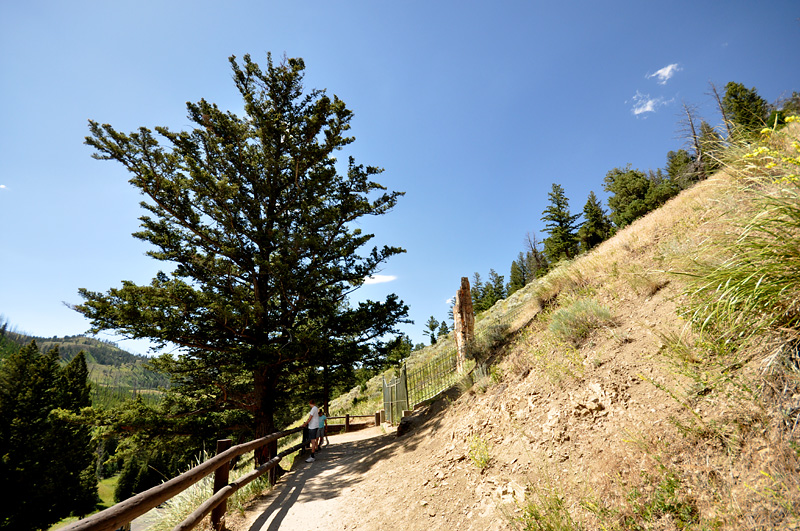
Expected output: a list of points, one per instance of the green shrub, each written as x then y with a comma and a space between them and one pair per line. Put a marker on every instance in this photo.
575, 322
480, 452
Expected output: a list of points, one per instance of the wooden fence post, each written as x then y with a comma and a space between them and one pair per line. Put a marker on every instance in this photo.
377, 418
346, 422
220, 481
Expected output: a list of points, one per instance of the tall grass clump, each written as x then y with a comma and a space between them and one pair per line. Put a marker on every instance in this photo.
755, 288
546, 510
575, 322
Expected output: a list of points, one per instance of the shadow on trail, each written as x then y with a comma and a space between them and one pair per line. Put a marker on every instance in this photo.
342, 465
338, 466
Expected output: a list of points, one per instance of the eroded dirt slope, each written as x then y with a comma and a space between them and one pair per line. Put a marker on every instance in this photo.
630, 425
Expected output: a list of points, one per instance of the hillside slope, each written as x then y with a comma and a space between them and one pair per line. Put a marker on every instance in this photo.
111, 369
624, 418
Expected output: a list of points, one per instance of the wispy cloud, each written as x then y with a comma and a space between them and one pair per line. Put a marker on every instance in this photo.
663, 75
643, 103
2, 186
379, 279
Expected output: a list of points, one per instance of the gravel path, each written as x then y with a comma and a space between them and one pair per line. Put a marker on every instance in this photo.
315, 495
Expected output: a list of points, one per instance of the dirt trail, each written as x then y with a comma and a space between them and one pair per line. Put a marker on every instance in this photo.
319, 495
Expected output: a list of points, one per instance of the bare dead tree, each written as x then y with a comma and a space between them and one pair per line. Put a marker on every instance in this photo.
715, 93
532, 245
689, 132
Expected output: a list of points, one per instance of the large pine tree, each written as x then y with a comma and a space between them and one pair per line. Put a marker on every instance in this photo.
256, 223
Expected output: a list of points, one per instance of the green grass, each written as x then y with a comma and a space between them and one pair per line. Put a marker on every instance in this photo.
754, 287
105, 489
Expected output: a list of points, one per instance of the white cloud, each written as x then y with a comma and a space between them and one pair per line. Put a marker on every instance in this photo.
643, 103
2, 186
663, 75
379, 279
450, 301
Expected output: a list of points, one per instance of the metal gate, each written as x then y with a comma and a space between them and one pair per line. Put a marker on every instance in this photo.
395, 397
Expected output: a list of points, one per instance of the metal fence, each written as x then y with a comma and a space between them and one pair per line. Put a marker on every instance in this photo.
438, 375
413, 387
395, 397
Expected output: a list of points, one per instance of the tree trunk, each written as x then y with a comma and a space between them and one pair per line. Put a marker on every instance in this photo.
326, 390
264, 414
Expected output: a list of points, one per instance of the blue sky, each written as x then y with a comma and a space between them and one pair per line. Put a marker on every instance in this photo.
474, 109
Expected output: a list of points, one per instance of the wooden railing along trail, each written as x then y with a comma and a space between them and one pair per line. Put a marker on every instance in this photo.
126, 511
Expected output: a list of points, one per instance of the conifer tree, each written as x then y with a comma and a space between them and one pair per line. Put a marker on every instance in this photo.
48, 462
712, 144
256, 223
628, 199
681, 168
487, 293
561, 227
596, 227
744, 107
431, 328
520, 273
476, 291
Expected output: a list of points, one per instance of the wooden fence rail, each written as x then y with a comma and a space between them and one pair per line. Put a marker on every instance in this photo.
126, 511
347, 424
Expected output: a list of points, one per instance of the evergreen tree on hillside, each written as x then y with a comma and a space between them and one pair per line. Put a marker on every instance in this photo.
596, 227
681, 169
431, 328
495, 289
476, 291
443, 329
398, 350
744, 107
783, 108
661, 190
713, 145
48, 462
7, 345
258, 227
628, 199
561, 227
521, 272
791, 105
484, 295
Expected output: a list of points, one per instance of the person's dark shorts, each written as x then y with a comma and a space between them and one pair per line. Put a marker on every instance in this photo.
313, 433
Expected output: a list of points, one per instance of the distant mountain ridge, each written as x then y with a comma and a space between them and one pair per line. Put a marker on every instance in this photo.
110, 367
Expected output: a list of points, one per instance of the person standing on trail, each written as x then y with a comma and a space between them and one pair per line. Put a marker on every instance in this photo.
312, 422
323, 423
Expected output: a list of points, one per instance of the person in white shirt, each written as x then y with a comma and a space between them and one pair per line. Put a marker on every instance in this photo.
313, 428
